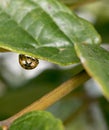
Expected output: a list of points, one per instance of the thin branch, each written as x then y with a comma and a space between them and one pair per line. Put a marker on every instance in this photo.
51, 97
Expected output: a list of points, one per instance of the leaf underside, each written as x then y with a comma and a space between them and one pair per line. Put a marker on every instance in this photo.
96, 61
44, 29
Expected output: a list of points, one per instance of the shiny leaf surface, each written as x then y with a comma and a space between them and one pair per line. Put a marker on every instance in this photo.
43, 29
96, 61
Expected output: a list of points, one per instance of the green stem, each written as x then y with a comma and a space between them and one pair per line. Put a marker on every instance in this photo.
51, 97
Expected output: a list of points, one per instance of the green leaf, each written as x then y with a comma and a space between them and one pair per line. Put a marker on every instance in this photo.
43, 29
74, 2
96, 61
37, 120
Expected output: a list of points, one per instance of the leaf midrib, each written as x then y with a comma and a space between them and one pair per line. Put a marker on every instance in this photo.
27, 32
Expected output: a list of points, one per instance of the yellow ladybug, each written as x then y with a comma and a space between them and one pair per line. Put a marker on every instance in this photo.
28, 62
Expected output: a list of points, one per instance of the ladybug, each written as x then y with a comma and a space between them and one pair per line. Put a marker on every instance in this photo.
28, 62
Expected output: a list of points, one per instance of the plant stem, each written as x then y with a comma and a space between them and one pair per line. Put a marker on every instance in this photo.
51, 97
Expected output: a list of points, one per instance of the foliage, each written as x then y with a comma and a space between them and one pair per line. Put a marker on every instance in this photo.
49, 30
38, 120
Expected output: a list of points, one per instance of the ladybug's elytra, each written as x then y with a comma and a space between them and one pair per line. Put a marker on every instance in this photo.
28, 62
